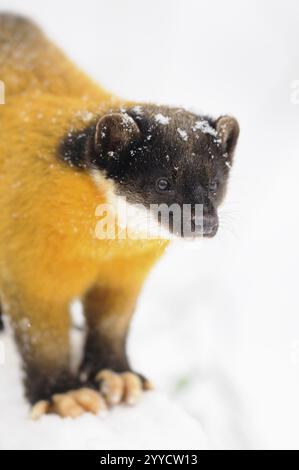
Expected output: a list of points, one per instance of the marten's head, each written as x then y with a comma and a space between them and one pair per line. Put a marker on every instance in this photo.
157, 156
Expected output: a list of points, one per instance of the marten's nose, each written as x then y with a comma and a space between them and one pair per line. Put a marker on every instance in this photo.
206, 225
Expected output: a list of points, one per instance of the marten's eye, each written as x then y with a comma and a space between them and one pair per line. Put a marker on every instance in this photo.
213, 186
163, 184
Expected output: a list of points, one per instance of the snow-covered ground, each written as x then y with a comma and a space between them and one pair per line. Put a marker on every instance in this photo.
217, 327
155, 423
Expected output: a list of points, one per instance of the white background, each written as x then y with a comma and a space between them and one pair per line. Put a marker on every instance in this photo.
218, 324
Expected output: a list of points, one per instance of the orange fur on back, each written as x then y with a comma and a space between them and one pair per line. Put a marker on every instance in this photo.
47, 225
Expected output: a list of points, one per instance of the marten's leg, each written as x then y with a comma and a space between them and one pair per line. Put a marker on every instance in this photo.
108, 313
42, 333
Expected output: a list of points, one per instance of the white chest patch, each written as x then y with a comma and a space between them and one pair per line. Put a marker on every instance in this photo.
120, 219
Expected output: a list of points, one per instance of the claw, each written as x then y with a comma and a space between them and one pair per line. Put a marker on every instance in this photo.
39, 409
125, 387
111, 386
132, 388
71, 404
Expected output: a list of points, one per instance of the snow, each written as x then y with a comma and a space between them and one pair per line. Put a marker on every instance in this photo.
161, 119
204, 127
138, 110
85, 115
155, 423
182, 133
217, 326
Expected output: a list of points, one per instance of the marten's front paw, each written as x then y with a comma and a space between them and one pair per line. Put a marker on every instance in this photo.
71, 404
125, 387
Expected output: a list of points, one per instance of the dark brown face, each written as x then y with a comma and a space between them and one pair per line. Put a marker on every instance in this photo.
167, 156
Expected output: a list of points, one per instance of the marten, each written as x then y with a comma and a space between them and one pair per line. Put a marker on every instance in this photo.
67, 147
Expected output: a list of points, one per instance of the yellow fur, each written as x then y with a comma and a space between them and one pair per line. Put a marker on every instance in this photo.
48, 252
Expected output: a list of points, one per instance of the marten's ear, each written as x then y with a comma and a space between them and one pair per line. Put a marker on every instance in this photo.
114, 132
228, 130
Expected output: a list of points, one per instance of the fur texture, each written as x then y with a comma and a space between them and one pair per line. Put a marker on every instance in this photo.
49, 254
